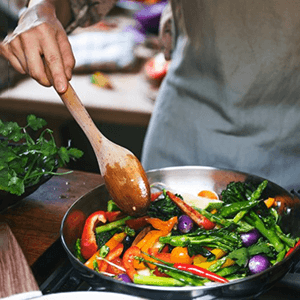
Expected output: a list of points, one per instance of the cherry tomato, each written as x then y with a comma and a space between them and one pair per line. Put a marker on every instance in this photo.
180, 255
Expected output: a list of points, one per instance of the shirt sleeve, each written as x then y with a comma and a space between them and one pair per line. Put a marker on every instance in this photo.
88, 12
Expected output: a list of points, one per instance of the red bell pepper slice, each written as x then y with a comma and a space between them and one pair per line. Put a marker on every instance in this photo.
137, 223
154, 196
200, 272
88, 238
114, 270
165, 249
200, 220
114, 253
111, 244
293, 248
128, 259
114, 215
160, 255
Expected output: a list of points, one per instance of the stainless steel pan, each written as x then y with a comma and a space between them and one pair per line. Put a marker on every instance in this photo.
191, 180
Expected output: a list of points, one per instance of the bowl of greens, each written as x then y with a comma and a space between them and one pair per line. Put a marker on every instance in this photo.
29, 157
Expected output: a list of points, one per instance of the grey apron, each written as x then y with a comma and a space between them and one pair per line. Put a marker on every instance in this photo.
243, 122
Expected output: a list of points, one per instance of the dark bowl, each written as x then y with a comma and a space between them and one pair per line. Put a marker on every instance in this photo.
7, 199
186, 180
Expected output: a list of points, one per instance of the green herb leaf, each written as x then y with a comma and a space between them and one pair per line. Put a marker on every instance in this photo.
15, 184
75, 153
63, 154
11, 130
240, 256
35, 123
25, 163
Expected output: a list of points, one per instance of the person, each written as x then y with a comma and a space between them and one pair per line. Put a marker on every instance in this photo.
231, 95
8, 21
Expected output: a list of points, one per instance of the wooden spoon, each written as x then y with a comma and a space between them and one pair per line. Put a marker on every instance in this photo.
124, 176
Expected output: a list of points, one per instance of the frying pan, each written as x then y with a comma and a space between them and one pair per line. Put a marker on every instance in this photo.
190, 179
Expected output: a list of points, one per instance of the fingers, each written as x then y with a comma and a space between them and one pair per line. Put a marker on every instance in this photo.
67, 54
7, 53
25, 52
33, 59
48, 46
54, 61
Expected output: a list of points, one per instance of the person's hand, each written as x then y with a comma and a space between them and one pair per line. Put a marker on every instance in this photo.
40, 38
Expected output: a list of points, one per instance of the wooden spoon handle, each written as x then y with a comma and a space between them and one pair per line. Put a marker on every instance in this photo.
82, 117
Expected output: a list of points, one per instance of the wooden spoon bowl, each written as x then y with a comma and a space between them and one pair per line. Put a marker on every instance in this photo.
124, 176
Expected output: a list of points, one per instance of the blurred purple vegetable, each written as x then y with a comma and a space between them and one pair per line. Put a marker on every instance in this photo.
149, 17
185, 224
251, 237
123, 277
258, 263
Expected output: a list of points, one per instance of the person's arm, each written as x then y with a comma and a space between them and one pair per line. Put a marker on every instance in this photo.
62, 9
40, 36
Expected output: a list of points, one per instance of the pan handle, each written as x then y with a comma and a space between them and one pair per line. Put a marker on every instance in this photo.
291, 281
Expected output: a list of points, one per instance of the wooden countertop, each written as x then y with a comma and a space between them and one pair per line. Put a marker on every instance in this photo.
128, 103
35, 221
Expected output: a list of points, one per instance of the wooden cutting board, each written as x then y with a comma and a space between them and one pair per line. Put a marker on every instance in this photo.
15, 273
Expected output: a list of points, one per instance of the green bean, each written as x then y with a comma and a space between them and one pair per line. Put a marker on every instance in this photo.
269, 234
214, 218
234, 208
224, 272
286, 239
184, 276
112, 225
217, 265
187, 279
257, 193
239, 216
213, 205
156, 280
280, 256
236, 276
112, 206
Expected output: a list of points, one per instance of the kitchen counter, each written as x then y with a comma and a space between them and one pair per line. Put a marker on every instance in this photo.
128, 103
35, 221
